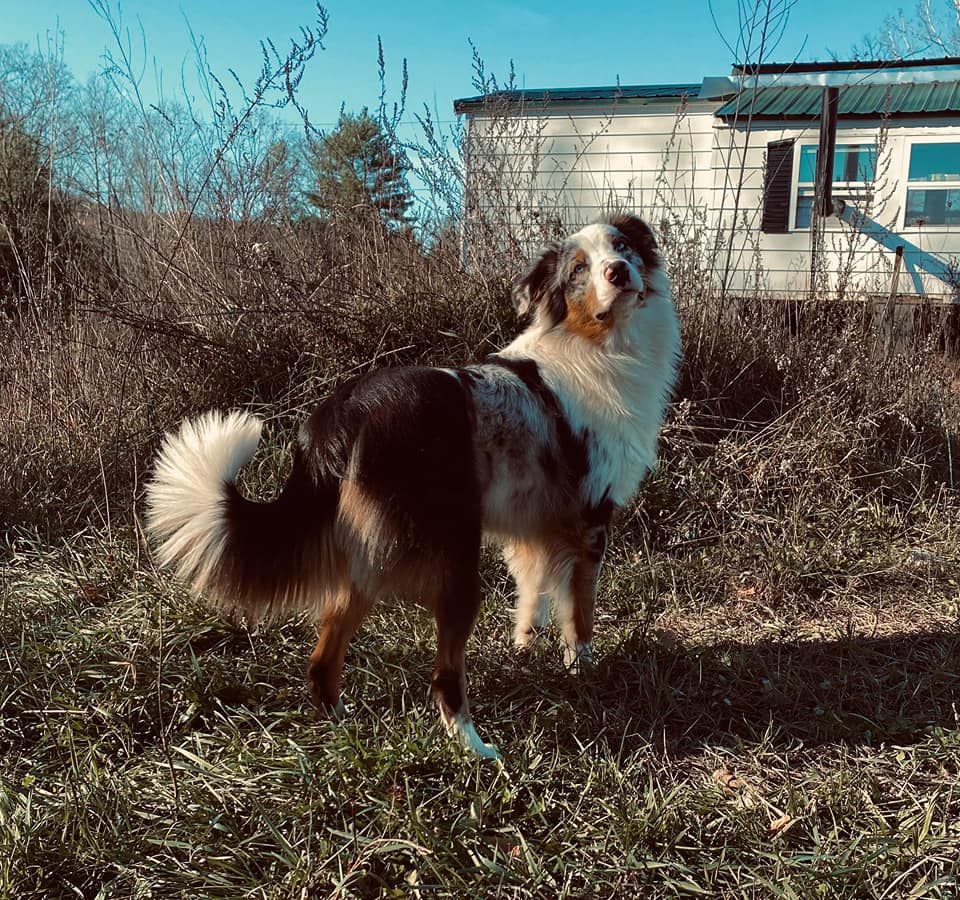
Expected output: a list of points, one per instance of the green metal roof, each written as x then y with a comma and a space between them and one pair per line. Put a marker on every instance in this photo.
868, 100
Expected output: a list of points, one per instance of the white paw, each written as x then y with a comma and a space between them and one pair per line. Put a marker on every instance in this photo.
578, 658
463, 730
525, 637
530, 622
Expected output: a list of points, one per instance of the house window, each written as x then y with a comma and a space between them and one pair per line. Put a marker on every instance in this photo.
854, 171
933, 184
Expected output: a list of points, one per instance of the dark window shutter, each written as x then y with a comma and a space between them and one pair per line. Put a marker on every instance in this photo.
777, 184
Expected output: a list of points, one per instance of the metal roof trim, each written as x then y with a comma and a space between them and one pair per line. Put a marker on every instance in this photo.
859, 100
863, 65
565, 95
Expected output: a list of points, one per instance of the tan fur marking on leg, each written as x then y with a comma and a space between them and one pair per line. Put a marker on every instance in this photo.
340, 621
527, 563
584, 590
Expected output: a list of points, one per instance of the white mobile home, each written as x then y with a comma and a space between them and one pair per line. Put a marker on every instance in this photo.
728, 166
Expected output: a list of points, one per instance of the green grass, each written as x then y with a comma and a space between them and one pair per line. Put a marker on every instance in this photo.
149, 749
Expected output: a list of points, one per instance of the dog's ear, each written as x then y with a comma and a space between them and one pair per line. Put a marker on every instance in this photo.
538, 282
638, 235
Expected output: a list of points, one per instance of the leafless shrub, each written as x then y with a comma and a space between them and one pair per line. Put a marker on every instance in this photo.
208, 285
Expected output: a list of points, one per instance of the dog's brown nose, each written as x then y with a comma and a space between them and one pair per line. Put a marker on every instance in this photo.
616, 273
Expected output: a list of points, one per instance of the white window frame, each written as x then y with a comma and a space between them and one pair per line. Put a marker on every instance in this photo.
851, 191
908, 144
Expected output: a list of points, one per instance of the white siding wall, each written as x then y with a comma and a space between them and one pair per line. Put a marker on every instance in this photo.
576, 162
676, 163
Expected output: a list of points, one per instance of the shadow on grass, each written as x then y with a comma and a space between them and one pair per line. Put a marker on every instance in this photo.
856, 690
681, 698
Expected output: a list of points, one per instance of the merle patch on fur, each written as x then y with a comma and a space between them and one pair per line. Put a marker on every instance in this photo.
542, 285
573, 447
639, 236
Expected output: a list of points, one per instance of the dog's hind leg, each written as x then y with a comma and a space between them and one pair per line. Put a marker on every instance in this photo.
339, 623
456, 612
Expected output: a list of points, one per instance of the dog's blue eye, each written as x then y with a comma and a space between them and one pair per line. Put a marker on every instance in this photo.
578, 268
619, 246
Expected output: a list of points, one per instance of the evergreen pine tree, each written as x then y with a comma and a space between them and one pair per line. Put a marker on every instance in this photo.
357, 168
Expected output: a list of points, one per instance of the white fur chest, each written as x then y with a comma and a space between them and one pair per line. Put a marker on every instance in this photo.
615, 394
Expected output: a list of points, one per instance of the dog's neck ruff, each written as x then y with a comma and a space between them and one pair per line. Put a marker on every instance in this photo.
616, 391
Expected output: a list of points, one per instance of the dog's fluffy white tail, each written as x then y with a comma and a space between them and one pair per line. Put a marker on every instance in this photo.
188, 496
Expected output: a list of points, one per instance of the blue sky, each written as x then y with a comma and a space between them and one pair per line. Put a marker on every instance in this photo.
553, 44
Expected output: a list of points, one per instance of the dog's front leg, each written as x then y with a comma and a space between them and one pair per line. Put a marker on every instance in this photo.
576, 599
527, 563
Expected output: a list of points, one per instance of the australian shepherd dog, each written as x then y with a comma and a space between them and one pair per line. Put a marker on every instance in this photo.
401, 474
